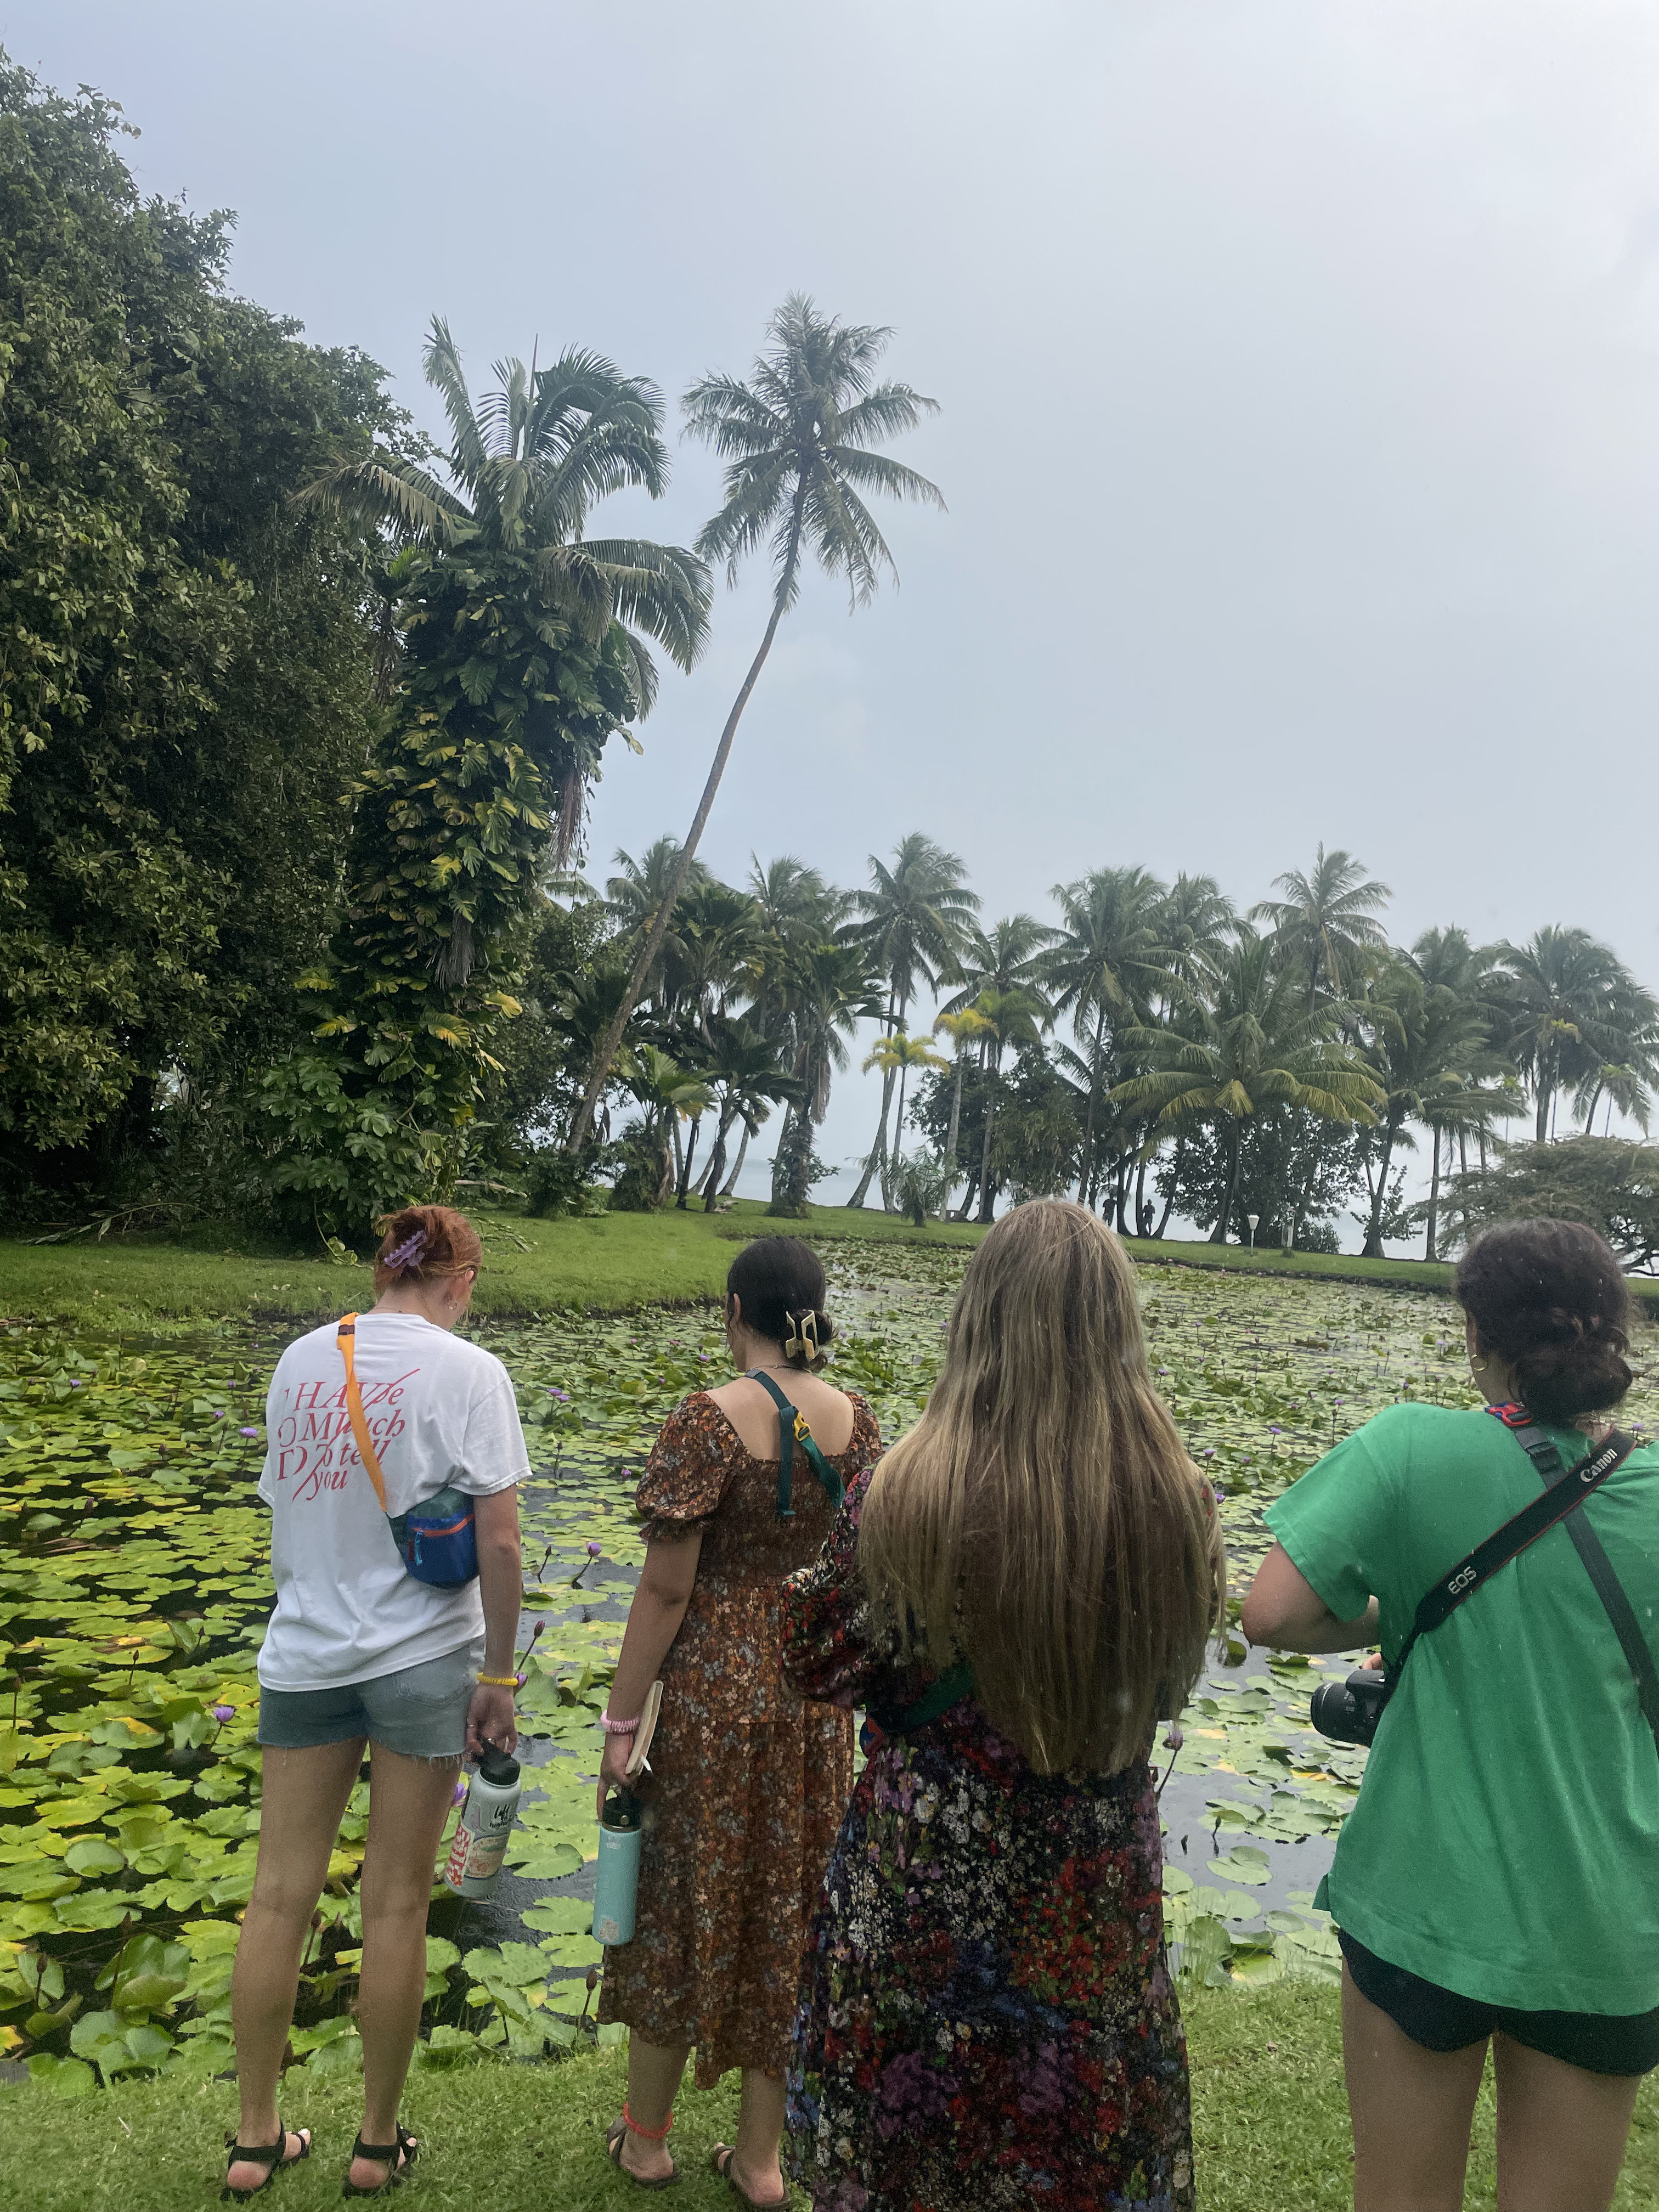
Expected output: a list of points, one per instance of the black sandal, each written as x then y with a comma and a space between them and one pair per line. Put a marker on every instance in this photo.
399, 2156
268, 2155
614, 2138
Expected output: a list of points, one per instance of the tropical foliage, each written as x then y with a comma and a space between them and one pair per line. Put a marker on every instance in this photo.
298, 719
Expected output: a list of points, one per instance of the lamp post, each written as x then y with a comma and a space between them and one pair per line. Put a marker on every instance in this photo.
1253, 1218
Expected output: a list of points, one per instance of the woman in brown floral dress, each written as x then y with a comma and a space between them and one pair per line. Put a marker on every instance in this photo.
748, 1785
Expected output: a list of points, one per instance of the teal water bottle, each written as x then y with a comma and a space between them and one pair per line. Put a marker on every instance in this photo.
616, 1883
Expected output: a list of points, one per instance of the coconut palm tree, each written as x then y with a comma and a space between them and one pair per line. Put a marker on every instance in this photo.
917, 915
897, 1054
1259, 1046
745, 1068
1324, 926
526, 464
1105, 967
1009, 1017
964, 1029
633, 897
829, 991
798, 443
1575, 1007
1425, 1047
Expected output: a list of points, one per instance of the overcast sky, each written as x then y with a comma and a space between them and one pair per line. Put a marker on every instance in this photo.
1298, 364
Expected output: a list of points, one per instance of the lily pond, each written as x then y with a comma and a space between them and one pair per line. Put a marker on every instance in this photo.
135, 1589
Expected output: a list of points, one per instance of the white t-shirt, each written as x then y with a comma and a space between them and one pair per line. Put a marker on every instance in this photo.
441, 1411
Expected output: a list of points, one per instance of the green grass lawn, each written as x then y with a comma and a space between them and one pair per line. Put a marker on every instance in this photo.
1270, 2120
608, 1263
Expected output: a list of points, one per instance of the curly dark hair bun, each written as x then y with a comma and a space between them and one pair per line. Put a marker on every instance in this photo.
1549, 1298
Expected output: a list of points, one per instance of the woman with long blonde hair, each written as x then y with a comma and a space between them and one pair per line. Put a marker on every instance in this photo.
1018, 1593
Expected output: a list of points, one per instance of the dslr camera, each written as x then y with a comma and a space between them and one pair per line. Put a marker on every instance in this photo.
1348, 1712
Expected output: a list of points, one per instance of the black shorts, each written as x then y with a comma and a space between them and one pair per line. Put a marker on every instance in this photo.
1439, 2019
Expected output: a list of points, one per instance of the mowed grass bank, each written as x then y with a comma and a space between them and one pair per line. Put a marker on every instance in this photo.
609, 1263
1270, 2120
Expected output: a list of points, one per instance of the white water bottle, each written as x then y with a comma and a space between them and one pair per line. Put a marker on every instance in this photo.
474, 1865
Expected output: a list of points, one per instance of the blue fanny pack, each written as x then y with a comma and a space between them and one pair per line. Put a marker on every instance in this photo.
436, 1539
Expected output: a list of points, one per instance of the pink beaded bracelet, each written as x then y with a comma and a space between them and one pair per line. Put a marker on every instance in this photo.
619, 1728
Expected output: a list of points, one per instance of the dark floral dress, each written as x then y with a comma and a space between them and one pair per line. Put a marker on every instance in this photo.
986, 2016
748, 1785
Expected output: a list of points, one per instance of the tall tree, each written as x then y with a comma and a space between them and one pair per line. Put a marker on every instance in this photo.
1011, 1018
799, 442
519, 664
1574, 1008
1259, 1046
917, 916
1106, 964
899, 1053
1423, 1046
830, 992
185, 672
526, 464
965, 1031
1325, 926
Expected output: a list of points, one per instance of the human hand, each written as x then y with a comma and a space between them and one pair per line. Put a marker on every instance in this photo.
489, 1719
613, 1768
1374, 1660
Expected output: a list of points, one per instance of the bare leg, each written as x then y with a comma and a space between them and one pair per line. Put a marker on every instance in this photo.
754, 2162
1560, 2131
303, 1800
653, 2082
1411, 2111
408, 1799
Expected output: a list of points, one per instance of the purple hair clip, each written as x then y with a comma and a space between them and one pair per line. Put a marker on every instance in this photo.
406, 1254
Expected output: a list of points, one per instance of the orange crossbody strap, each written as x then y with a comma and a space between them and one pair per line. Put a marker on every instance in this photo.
346, 1337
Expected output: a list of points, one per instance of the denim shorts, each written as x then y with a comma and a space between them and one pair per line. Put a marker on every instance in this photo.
419, 1711
1440, 2020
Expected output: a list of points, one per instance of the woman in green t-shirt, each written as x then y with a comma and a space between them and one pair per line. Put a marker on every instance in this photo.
1499, 1879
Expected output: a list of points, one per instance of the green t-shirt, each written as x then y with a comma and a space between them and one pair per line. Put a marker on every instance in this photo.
1506, 1840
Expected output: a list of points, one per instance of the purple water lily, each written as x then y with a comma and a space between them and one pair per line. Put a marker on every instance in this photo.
222, 1714
250, 1432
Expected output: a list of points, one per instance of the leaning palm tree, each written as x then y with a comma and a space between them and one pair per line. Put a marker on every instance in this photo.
917, 917
1258, 1047
1324, 927
526, 463
798, 443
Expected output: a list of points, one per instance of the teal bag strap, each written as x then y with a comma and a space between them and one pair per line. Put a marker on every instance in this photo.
955, 1684
792, 1430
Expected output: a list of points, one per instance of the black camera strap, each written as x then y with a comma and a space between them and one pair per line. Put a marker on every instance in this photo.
1568, 1488
1638, 1655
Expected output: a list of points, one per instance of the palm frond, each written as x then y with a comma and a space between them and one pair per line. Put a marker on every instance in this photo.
879, 473
887, 412
661, 589
390, 492
441, 362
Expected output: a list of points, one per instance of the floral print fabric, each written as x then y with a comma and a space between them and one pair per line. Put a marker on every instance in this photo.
987, 2017
748, 1783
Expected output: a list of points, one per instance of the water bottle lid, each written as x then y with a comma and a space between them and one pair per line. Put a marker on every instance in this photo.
621, 1812
498, 1766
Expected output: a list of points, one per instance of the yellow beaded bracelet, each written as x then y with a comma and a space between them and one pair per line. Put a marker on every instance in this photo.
499, 1682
